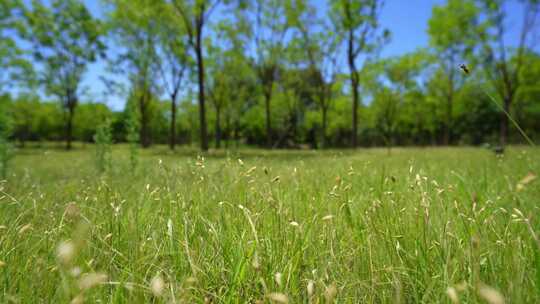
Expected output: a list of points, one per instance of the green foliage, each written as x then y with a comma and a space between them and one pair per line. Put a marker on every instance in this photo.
527, 107
452, 27
88, 118
12, 63
274, 70
385, 107
103, 143
5, 155
5, 131
132, 137
66, 38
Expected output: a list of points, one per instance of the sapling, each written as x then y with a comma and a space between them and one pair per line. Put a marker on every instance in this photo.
132, 138
103, 142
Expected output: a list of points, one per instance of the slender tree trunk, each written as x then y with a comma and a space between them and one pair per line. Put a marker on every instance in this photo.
218, 128
202, 108
294, 127
69, 126
388, 144
172, 138
24, 135
448, 122
267, 98
324, 124
503, 138
236, 134
227, 131
355, 112
354, 83
143, 109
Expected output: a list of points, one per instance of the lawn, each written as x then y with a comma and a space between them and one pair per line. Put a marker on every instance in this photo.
431, 225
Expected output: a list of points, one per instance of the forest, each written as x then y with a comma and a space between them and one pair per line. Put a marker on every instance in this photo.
267, 73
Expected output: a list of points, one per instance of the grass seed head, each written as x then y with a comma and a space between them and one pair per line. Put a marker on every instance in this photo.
75, 272
328, 217
525, 181
330, 293
25, 228
79, 299
278, 277
90, 280
277, 297
310, 288
490, 294
452, 294
255, 262
157, 285
72, 211
65, 252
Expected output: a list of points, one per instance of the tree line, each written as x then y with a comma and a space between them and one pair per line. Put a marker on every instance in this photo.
271, 73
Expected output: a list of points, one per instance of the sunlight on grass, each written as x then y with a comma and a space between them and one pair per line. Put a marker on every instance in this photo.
429, 225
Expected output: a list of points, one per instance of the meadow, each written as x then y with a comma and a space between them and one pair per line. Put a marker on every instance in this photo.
418, 225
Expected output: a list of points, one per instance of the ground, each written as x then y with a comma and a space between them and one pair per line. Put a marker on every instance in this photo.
432, 225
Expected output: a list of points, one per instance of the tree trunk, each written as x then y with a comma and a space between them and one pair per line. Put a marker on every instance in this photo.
324, 124
355, 112
267, 98
69, 126
143, 108
172, 138
202, 108
218, 128
236, 134
294, 128
227, 131
448, 122
354, 83
503, 139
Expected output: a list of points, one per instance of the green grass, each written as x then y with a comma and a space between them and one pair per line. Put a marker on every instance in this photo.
402, 228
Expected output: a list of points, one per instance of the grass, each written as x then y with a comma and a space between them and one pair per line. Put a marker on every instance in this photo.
431, 225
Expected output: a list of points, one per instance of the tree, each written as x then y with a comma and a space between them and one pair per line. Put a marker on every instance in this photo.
386, 107
404, 75
270, 24
8, 48
229, 78
66, 38
502, 64
357, 22
451, 30
220, 83
321, 49
24, 113
136, 25
195, 14
293, 97
89, 117
174, 61
527, 105
5, 132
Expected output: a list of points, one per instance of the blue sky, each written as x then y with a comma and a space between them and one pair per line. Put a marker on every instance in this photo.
406, 19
